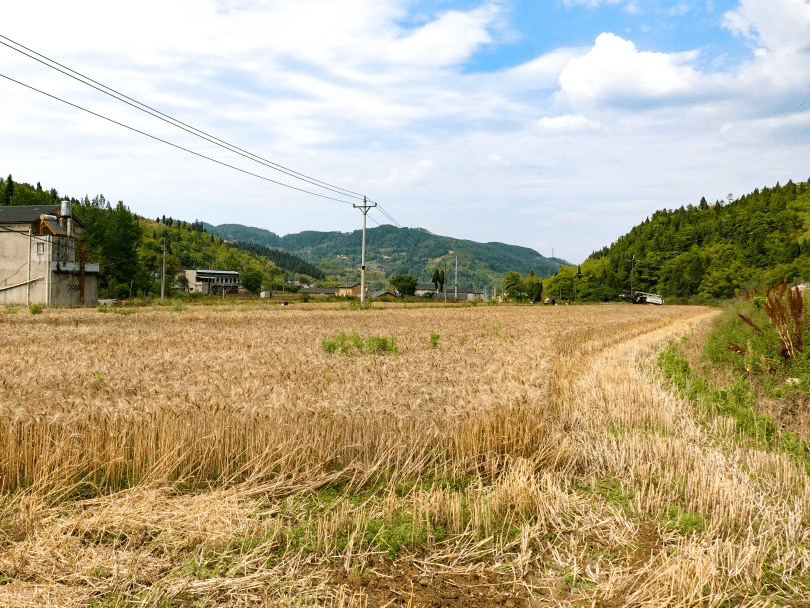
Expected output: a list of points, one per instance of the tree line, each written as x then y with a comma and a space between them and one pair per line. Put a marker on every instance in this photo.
702, 252
130, 249
282, 259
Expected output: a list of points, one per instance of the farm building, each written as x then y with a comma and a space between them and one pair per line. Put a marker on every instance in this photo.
464, 293
423, 288
42, 257
348, 289
383, 294
213, 282
319, 292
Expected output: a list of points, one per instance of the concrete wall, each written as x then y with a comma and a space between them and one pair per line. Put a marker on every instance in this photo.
24, 283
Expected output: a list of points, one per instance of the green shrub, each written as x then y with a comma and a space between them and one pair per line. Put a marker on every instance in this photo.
35, 309
348, 343
434, 339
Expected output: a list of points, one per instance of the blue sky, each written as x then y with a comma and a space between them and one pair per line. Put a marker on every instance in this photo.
555, 124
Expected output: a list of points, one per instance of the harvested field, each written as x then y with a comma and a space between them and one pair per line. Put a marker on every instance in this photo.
502, 456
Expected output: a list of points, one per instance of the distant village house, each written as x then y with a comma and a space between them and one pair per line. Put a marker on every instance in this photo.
348, 289
42, 257
464, 293
213, 282
319, 292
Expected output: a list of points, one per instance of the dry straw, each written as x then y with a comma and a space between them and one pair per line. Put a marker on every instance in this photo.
222, 457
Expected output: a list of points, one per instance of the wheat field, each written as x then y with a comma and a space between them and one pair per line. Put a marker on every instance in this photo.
501, 456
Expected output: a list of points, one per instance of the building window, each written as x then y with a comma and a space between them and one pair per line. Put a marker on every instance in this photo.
40, 248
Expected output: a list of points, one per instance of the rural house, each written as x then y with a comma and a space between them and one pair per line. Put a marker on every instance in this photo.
213, 282
319, 292
464, 293
348, 289
42, 257
424, 288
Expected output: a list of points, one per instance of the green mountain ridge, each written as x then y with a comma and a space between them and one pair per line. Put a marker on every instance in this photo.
703, 253
391, 250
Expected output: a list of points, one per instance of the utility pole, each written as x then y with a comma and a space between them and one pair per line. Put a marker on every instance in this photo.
455, 283
28, 283
163, 274
364, 209
444, 285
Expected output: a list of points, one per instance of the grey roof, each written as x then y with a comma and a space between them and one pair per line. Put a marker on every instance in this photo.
348, 285
379, 294
213, 272
466, 290
319, 290
26, 214
56, 227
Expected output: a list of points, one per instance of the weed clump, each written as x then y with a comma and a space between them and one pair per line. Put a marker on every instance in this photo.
347, 344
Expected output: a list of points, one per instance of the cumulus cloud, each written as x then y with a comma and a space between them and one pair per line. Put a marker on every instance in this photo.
772, 24
369, 95
615, 69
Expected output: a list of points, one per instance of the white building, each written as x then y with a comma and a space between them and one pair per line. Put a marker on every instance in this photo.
42, 257
213, 282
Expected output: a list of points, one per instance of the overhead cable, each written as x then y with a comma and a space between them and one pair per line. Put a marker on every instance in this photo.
86, 80
219, 162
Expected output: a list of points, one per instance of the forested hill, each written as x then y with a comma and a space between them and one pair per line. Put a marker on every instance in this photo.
392, 250
707, 251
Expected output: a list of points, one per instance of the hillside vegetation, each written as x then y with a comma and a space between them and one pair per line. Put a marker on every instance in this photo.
129, 248
706, 252
391, 251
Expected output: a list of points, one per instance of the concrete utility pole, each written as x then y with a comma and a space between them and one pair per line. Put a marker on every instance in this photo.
455, 283
444, 284
364, 209
163, 274
28, 284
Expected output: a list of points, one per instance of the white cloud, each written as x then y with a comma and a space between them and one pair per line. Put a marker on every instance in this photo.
680, 9
568, 123
615, 69
772, 24
367, 95
589, 3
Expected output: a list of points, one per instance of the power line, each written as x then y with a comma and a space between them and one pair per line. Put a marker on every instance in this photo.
86, 80
213, 160
388, 215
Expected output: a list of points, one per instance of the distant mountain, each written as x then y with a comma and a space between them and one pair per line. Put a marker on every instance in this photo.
391, 250
705, 252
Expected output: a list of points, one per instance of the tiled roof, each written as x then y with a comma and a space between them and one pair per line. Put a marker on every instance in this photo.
55, 227
25, 214
319, 290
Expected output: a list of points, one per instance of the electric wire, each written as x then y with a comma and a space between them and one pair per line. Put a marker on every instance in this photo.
109, 91
179, 147
388, 216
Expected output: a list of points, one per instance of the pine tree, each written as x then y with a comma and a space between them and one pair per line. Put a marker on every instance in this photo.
9, 191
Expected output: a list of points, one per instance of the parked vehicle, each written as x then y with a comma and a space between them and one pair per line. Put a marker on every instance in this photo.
642, 297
